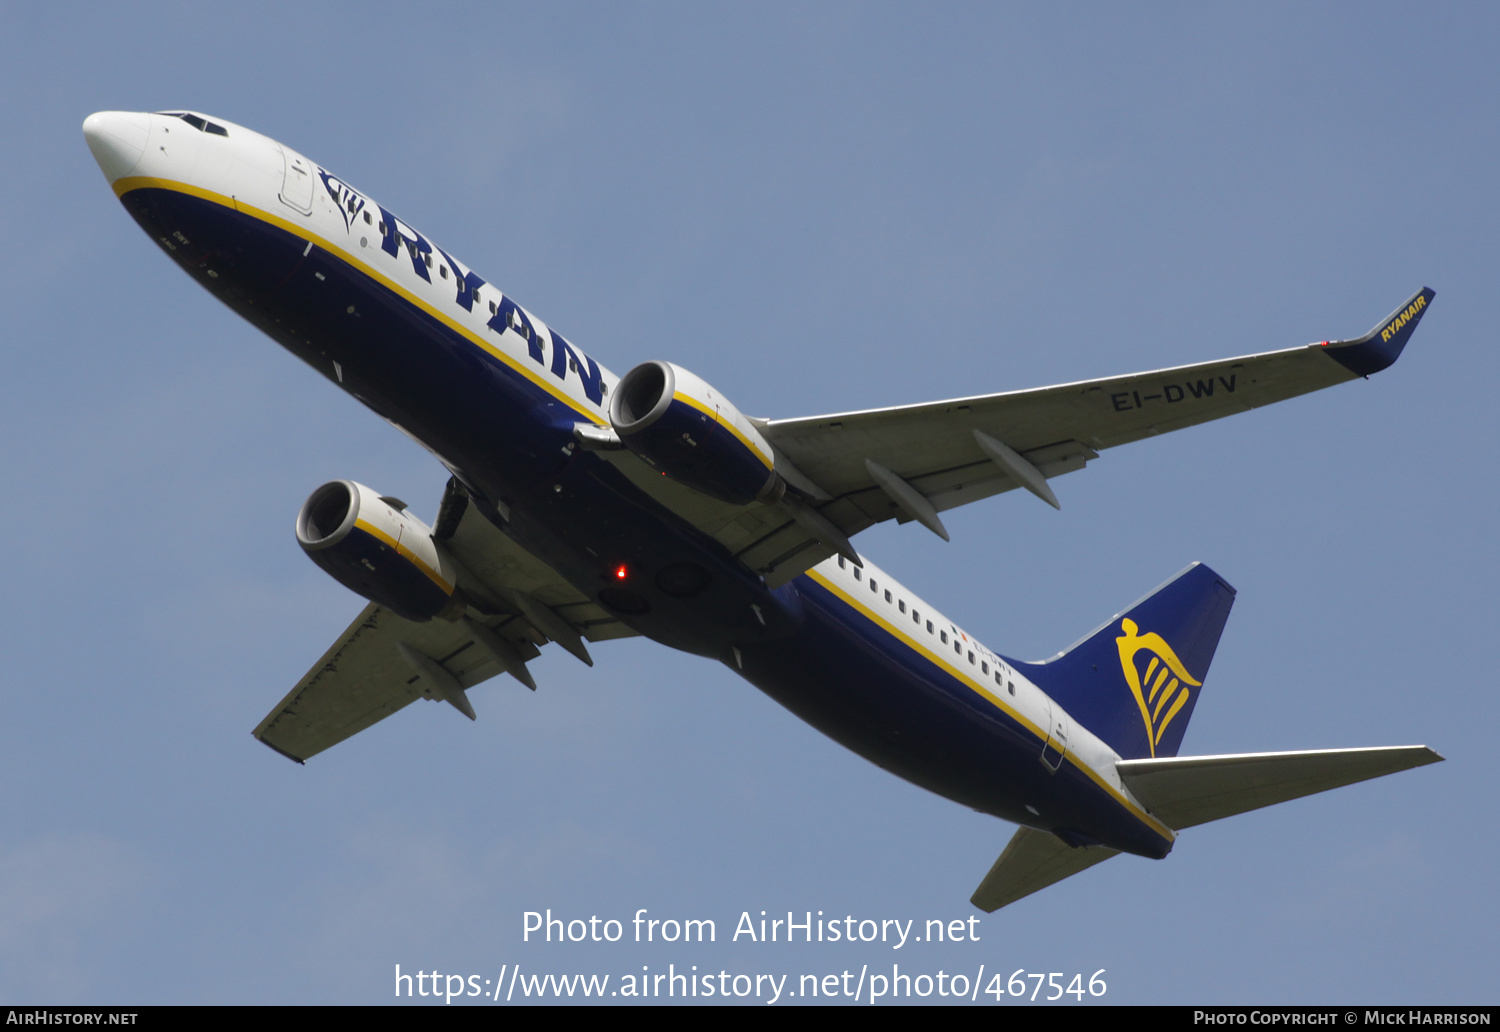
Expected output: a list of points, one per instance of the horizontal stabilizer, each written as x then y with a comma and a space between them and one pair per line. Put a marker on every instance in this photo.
1187, 790
1031, 861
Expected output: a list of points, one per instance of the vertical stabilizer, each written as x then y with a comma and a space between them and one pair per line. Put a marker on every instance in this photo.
1134, 681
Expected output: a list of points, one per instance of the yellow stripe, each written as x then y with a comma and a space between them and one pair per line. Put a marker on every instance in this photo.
1161, 677
406, 553
1181, 698
963, 676
695, 403
124, 186
1163, 700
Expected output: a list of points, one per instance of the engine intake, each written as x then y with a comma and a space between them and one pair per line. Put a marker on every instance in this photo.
378, 550
683, 427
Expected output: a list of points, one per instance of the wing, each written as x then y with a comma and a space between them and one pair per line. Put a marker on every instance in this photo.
851, 470
914, 461
382, 662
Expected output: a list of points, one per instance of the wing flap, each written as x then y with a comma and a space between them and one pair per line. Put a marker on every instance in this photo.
1187, 790
1033, 860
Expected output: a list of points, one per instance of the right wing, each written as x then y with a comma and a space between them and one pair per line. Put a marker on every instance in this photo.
381, 661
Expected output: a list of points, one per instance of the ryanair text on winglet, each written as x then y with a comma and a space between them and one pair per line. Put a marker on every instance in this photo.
1407, 315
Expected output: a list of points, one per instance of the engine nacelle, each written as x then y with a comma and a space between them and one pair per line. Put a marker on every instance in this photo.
378, 550
687, 430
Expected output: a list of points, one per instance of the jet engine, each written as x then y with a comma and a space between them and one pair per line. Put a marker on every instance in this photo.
684, 428
374, 547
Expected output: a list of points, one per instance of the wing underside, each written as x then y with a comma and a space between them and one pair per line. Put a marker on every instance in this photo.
379, 664
856, 469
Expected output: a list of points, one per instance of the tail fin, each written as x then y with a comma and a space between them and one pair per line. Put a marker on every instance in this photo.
1134, 681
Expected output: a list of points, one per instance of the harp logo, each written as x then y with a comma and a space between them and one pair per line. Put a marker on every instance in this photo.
1157, 678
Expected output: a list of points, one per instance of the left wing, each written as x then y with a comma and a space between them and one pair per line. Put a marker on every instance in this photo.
849, 471
915, 461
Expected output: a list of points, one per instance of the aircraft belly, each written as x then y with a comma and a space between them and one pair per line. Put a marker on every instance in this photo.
883, 700
355, 331
507, 439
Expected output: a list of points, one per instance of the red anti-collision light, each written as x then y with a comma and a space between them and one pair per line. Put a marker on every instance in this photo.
620, 573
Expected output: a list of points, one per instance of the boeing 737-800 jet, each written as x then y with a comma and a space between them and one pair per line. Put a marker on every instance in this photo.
585, 506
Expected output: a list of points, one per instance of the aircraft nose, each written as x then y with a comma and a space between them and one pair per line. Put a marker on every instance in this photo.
117, 139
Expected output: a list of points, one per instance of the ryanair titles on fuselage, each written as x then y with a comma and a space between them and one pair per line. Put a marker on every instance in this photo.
396, 236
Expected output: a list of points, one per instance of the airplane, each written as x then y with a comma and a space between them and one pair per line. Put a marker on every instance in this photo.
584, 507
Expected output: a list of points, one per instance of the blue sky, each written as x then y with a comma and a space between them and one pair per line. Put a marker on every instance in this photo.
816, 208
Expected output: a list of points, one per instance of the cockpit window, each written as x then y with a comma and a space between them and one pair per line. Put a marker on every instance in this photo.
200, 124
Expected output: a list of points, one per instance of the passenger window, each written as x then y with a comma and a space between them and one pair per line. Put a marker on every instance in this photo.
841, 558
492, 308
1012, 687
957, 648
367, 218
887, 595
929, 626
901, 605
999, 680
942, 634
873, 585
856, 573
971, 659
442, 269
984, 668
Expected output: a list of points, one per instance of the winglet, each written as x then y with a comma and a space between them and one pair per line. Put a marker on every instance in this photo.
1381, 346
